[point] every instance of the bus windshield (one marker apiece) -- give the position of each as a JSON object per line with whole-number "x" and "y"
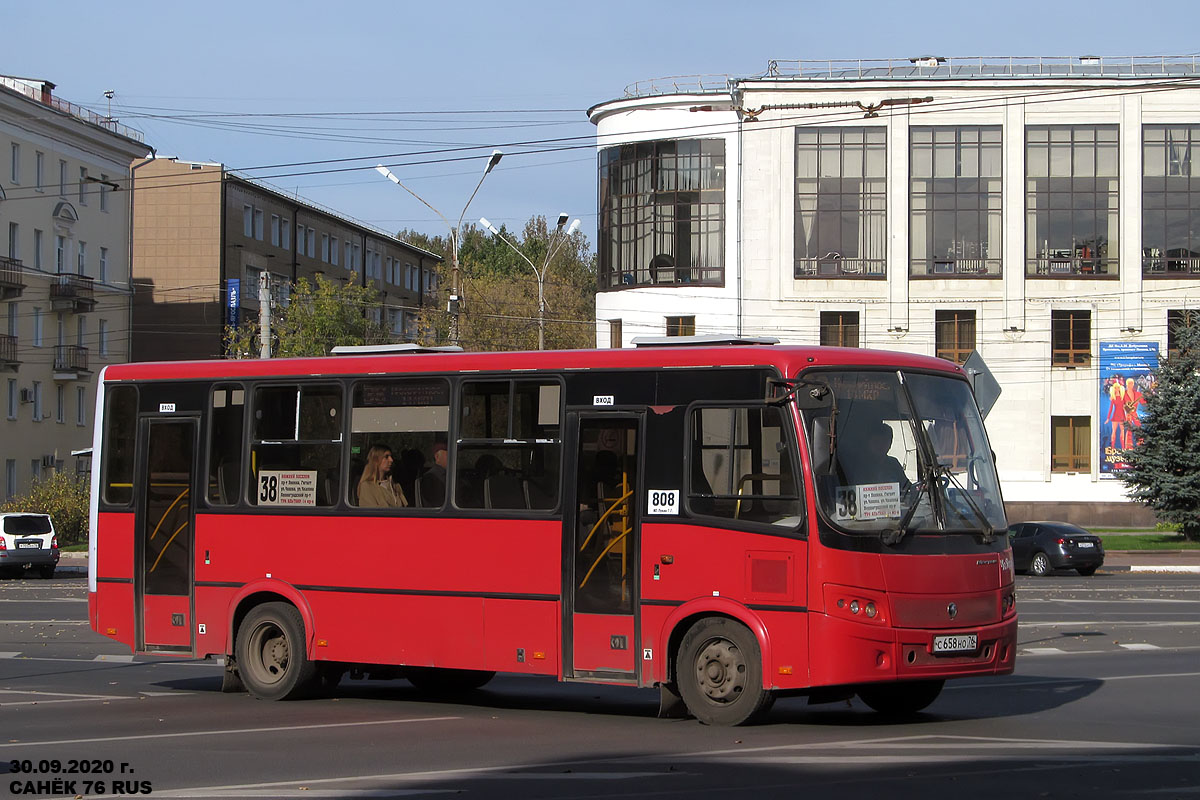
{"x": 902, "y": 452}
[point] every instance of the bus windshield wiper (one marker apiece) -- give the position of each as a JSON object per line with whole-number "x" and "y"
{"x": 892, "y": 536}
{"x": 989, "y": 531}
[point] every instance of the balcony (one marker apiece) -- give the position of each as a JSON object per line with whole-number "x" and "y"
{"x": 8, "y": 354}
{"x": 1177, "y": 267}
{"x": 1079, "y": 262}
{"x": 71, "y": 363}
{"x": 74, "y": 293}
{"x": 834, "y": 265}
{"x": 12, "y": 278}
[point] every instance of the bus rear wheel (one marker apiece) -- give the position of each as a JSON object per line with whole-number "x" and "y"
{"x": 439, "y": 679}
{"x": 901, "y": 699}
{"x": 271, "y": 656}
{"x": 719, "y": 673}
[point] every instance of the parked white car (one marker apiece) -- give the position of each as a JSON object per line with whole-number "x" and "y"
{"x": 28, "y": 541}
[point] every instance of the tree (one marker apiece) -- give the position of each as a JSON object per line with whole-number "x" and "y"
{"x": 1164, "y": 471}
{"x": 315, "y": 320}
{"x": 65, "y": 498}
{"x": 500, "y": 306}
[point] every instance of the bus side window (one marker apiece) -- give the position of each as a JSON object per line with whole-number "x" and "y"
{"x": 226, "y": 427}
{"x": 743, "y": 466}
{"x": 296, "y": 452}
{"x": 120, "y": 434}
{"x": 509, "y": 448}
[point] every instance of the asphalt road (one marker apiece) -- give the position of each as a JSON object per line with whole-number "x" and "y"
{"x": 1104, "y": 703}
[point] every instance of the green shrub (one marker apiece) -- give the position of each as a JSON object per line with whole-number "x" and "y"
{"x": 1172, "y": 527}
{"x": 65, "y": 498}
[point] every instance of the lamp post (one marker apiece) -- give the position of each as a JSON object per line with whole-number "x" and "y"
{"x": 452, "y": 307}
{"x": 551, "y": 249}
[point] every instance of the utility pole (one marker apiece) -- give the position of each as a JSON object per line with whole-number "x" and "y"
{"x": 264, "y": 314}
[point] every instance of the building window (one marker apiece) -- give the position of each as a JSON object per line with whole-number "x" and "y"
{"x": 1071, "y": 200}
{"x": 37, "y": 327}
{"x": 62, "y": 178}
{"x": 83, "y": 181}
{"x": 954, "y": 335}
{"x": 841, "y": 202}
{"x": 16, "y": 163}
{"x": 285, "y": 233}
{"x": 12, "y": 398}
{"x": 60, "y": 415}
{"x": 681, "y": 326}
{"x": 615, "y": 336}
{"x": 14, "y": 240}
{"x": 37, "y": 401}
{"x": 37, "y": 249}
{"x": 39, "y": 171}
{"x": 1070, "y": 444}
{"x": 60, "y": 254}
{"x": 1170, "y": 201}
{"x": 956, "y": 219}
{"x": 80, "y": 330}
{"x": 662, "y": 214}
{"x": 325, "y": 247}
{"x": 103, "y": 264}
{"x": 248, "y": 221}
{"x": 1071, "y": 338}
{"x": 82, "y": 253}
{"x": 10, "y": 478}
{"x": 12, "y": 319}
{"x": 839, "y": 328}
{"x": 258, "y": 224}
{"x": 80, "y": 405}
{"x": 104, "y": 190}
{"x": 275, "y": 230}
{"x": 103, "y": 343}
{"x": 333, "y": 250}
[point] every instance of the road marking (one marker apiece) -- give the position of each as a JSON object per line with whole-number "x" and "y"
{"x": 48, "y": 698}
{"x": 49, "y": 600}
{"x": 9, "y": 655}
{"x": 117, "y": 659}
{"x": 227, "y": 732}
{"x": 42, "y": 622}
{"x": 1108, "y": 623}
{"x": 1043, "y": 651}
{"x": 1141, "y": 646}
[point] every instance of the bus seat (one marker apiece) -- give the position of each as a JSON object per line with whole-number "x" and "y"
{"x": 503, "y": 490}
{"x": 227, "y": 482}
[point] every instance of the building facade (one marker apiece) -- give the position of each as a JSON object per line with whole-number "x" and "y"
{"x": 64, "y": 274}
{"x": 1044, "y": 212}
{"x": 203, "y": 236}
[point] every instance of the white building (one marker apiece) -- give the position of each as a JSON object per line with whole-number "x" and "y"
{"x": 1032, "y": 209}
{"x": 64, "y": 277}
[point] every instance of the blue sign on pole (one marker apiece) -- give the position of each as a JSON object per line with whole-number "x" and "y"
{"x": 234, "y": 295}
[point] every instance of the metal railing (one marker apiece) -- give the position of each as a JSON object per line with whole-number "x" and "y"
{"x": 70, "y": 358}
{"x": 79, "y": 112}
{"x": 12, "y": 272}
{"x": 8, "y": 349}
{"x": 73, "y": 287}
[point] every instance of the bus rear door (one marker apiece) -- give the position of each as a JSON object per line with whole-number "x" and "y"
{"x": 165, "y": 533}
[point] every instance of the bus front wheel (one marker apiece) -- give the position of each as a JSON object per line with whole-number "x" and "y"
{"x": 901, "y": 699}
{"x": 719, "y": 673}
{"x": 271, "y": 656}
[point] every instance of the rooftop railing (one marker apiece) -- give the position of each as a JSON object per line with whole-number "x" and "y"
{"x": 79, "y": 112}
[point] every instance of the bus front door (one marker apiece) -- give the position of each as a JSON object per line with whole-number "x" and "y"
{"x": 165, "y": 535}
{"x": 602, "y": 535}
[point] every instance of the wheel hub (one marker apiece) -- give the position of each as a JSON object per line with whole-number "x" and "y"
{"x": 721, "y": 671}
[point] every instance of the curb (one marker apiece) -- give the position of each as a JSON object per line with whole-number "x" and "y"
{"x": 1160, "y": 568}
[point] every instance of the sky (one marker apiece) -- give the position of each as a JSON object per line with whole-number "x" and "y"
{"x": 310, "y": 96}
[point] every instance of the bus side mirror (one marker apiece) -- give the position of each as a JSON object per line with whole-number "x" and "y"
{"x": 819, "y": 446}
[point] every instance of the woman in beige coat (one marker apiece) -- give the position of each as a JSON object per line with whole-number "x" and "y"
{"x": 375, "y": 487}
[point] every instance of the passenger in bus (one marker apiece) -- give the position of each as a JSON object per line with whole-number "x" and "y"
{"x": 375, "y": 487}
{"x": 871, "y": 461}
{"x": 432, "y": 485}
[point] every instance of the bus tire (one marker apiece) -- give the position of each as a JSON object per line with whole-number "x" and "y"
{"x": 902, "y": 699}
{"x": 271, "y": 656}
{"x": 443, "y": 680}
{"x": 719, "y": 673}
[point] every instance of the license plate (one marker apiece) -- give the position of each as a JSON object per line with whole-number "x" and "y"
{"x": 29, "y": 545}
{"x": 1084, "y": 544}
{"x": 962, "y": 643}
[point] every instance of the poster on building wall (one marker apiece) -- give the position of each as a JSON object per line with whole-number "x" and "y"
{"x": 1126, "y": 376}
{"x": 234, "y": 301}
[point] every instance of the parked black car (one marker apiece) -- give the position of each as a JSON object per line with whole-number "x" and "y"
{"x": 1040, "y": 547}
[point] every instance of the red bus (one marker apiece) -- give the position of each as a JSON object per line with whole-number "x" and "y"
{"x": 728, "y": 523}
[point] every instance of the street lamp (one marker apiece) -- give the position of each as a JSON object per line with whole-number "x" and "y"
{"x": 553, "y": 248}
{"x": 452, "y": 307}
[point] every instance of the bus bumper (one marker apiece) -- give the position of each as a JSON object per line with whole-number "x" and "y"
{"x": 848, "y": 652}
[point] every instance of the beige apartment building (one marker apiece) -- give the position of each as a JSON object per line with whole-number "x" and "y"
{"x": 203, "y": 236}
{"x": 64, "y": 276}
